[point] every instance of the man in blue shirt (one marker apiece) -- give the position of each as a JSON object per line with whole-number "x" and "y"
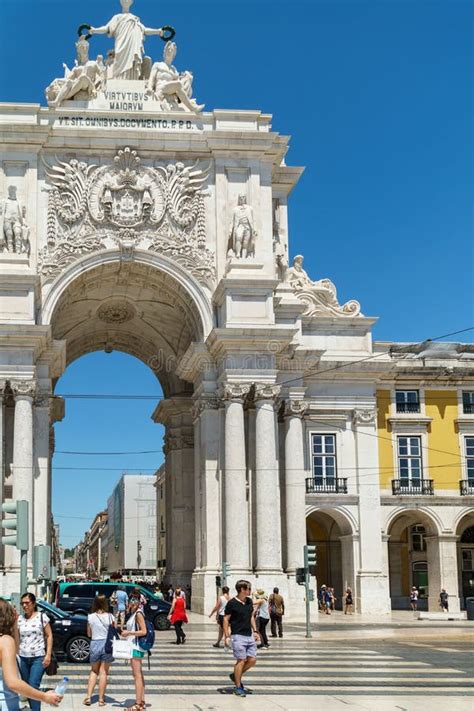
{"x": 121, "y": 598}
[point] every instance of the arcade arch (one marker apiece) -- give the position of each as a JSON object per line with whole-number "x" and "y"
{"x": 465, "y": 550}
{"x": 332, "y": 532}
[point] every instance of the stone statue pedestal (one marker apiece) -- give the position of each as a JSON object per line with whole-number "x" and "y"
{"x": 14, "y": 260}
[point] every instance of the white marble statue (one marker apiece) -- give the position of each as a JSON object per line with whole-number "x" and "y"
{"x": 170, "y": 87}
{"x": 14, "y": 230}
{"x": 242, "y": 230}
{"x": 84, "y": 80}
{"x": 319, "y": 296}
{"x": 128, "y": 33}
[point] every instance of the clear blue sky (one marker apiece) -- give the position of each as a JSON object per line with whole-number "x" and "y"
{"x": 378, "y": 99}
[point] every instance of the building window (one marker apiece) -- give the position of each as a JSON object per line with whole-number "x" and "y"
{"x": 420, "y": 577}
{"x": 468, "y": 402}
{"x": 151, "y": 531}
{"x": 467, "y": 560}
{"x": 407, "y": 400}
{"x": 469, "y": 444}
{"x": 324, "y": 459}
{"x": 152, "y": 509}
{"x": 409, "y": 461}
{"x": 418, "y": 542}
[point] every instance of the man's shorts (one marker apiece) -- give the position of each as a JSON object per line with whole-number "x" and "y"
{"x": 98, "y": 653}
{"x": 243, "y": 646}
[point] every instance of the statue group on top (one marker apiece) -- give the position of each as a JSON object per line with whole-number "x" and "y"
{"x": 126, "y": 62}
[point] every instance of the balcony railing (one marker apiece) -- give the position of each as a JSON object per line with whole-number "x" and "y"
{"x": 466, "y": 487}
{"x": 410, "y": 407}
{"x": 468, "y": 408}
{"x": 415, "y": 487}
{"x": 331, "y": 486}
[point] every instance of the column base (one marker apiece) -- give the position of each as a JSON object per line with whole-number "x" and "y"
{"x": 372, "y": 593}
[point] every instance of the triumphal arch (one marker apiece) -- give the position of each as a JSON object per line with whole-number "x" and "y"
{"x": 134, "y": 219}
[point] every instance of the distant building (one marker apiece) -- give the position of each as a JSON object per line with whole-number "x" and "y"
{"x": 95, "y": 558}
{"x": 132, "y": 526}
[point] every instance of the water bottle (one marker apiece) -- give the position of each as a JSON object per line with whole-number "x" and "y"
{"x": 62, "y": 686}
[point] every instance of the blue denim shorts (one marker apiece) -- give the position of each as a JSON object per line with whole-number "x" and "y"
{"x": 98, "y": 653}
{"x": 243, "y": 646}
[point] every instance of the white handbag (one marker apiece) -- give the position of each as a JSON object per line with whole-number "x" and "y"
{"x": 122, "y": 648}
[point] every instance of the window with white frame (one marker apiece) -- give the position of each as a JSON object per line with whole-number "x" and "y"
{"x": 468, "y": 402}
{"x": 324, "y": 458}
{"x": 418, "y": 542}
{"x": 151, "y": 531}
{"x": 469, "y": 446}
{"x": 407, "y": 400}
{"x": 409, "y": 461}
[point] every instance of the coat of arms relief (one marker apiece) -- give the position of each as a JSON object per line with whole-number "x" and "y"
{"x": 126, "y": 205}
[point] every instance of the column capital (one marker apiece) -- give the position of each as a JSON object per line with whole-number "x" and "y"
{"x": 235, "y": 391}
{"x": 3, "y": 384}
{"x": 266, "y": 391}
{"x": 23, "y": 388}
{"x": 295, "y": 408}
{"x": 364, "y": 416}
{"x": 177, "y": 441}
{"x": 208, "y": 403}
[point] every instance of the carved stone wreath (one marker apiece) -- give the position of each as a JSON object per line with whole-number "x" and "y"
{"x": 116, "y": 312}
{"x": 92, "y": 208}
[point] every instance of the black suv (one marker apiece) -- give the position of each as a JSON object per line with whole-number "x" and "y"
{"x": 70, "y": 638}
{"x": 78, "y": 598}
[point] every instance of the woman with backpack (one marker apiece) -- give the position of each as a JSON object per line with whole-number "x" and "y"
{"x": 98, "y": 624}
{"x": 135, "y": 627}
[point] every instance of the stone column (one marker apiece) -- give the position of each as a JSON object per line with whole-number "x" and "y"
{"x": 442, "y": 558}
{"x": 372, "y": 581}
{"x": 237, "y": 537}
{"x": 41, "y": 486}
{"x": 2, "y": 459}
{"x": 24, "y": 392}
{"x": 268, "y": 496}
{"x": 295, "y": 485}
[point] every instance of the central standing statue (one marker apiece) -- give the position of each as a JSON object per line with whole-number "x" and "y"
{"x": 128, "y": 33}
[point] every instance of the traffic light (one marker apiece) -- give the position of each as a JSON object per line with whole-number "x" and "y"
{"x": 300, "y": 574}
{"x": 309, "y": 557}
{"x": 18, "y": 527}
{"x": 42, "y": 562}
{"x": 218, "y": 581}
{"x": 225, "y": 572}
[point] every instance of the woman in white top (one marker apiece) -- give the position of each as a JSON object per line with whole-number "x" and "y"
{"x": 98, "y": 623}
{"x": 35, "y": 644}
{"x": 135, "y": 628}
{"x": 10, "y": 683}
{"x": 219, "y": 608}
{"x": 262, "y": 614}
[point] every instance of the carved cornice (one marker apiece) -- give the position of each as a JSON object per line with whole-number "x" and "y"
{"x": 266, "y": 391}
{"x": 174, "y": 442}
{"x": 204, "y": 404}
{"x": 364, "y": 417}
{"x": 235, "y": 391}
{"x": 295, "y": 408}
{"x": 23, "y": 388}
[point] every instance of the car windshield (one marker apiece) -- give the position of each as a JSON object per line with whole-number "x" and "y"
{"x": 47, "y": 607}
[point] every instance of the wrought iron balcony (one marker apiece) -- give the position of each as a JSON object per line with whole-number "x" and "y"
{"x": 331, "y": 486}
{"x": 414, "y": 487}
{"x": 410, "y": 407}
{"x": 466, "y": 487}
{"x": 468, "y": 408}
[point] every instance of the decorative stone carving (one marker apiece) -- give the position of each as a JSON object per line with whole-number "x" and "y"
{"x": 320, "y": 296}
{"x": 173, "y": 442}
{"x": 242, "y": 231}
{"x": 266, "y": 391}
{"x": 235, "y": 391}
{"x": 43, "y": 400}
{"x": 128, "y": 205}
{"x": 295, "y": 408}
{"x": 129, "y": 35}
{"x": 204, "y": 404}
{"x": 83, "y": 81}
{"x": 172, "y": 89}
{"x": 23, "y": 388}
{"x": 116, "y": 312}
{"x": 14, "y": 230}
{"x": 364, "y": 417}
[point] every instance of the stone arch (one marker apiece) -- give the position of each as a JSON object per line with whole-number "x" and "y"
{"x": 463, "y": 520}
{"x": 147, "y": 306}
{"x": 333, "y": 531}
{"x": 464, "y": 529}
{"x": 429, "y": 518}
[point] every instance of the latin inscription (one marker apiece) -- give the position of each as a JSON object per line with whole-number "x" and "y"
{"x": 115, "y": 122}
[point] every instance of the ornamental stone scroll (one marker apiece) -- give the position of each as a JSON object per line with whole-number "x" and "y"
{"x": 236, "y": 391}
{"x": 364, "y": 417}
{"x": 266, "y": 391}
{"x": 295, "y": 408}
{"x": 23, "y": 388}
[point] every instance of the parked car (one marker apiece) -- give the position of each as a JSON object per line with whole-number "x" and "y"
{"x": 77, "y": 598}
{"x": 70, "y": 640}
